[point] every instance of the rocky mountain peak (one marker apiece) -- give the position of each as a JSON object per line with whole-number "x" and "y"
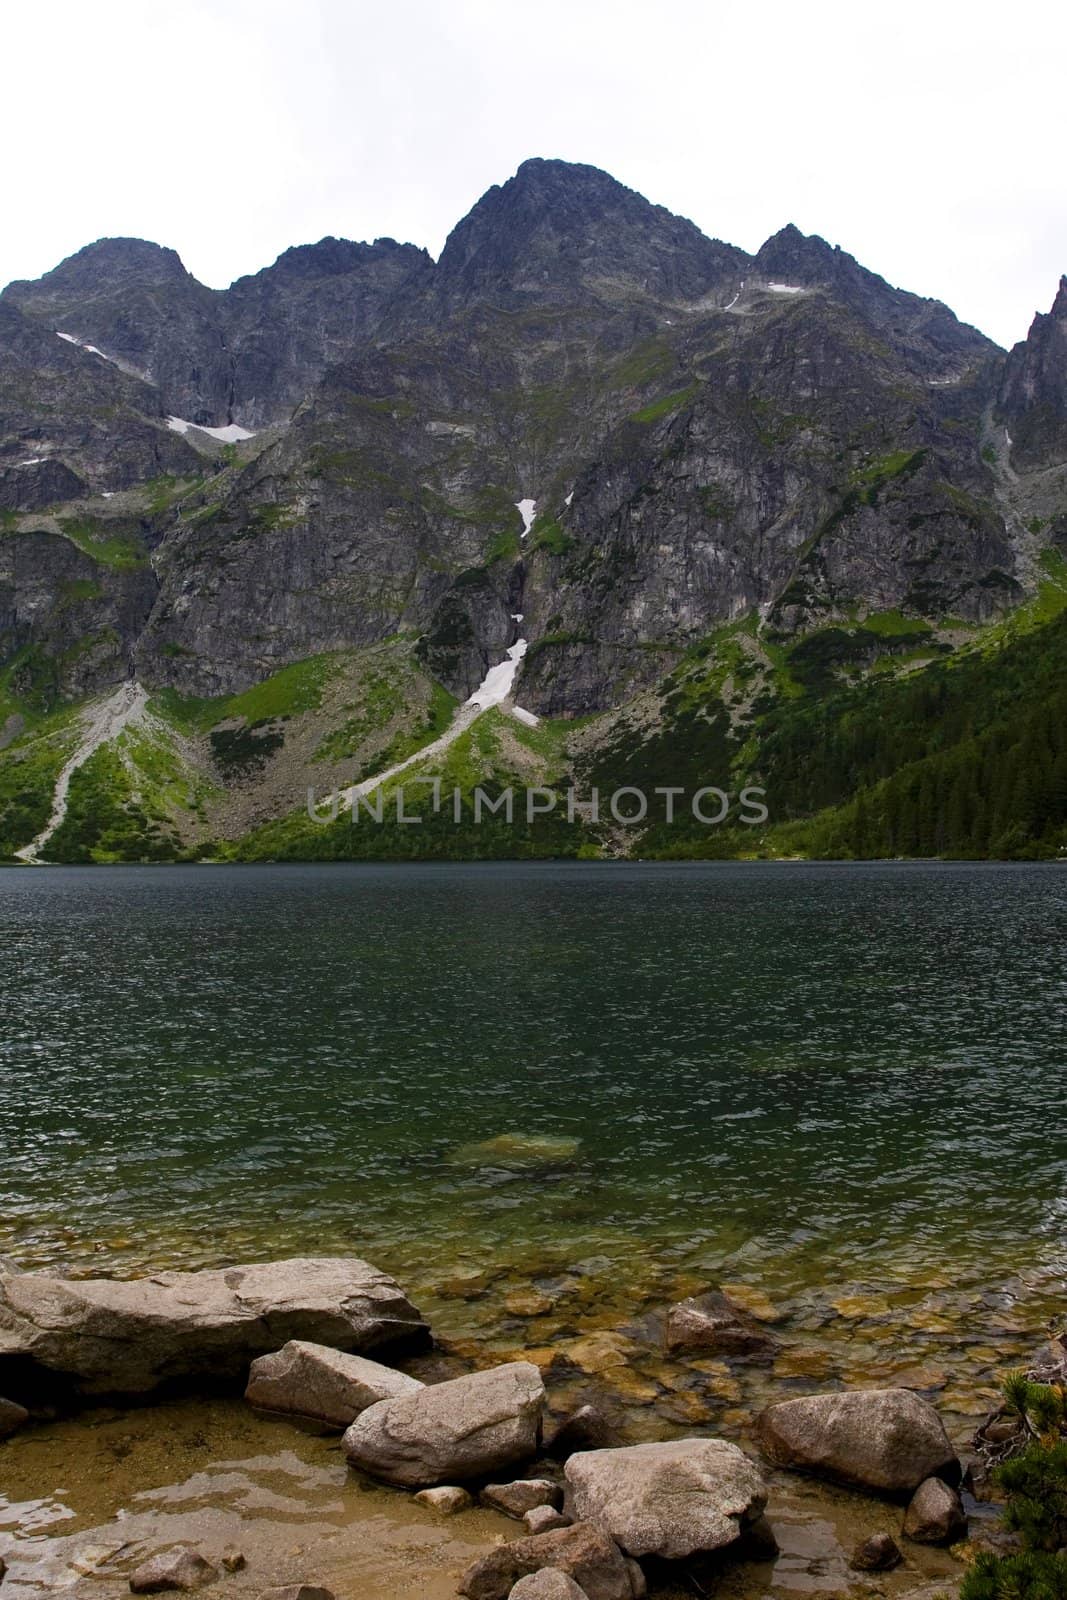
{"x": 108, "y": 264}
{"x": 335, "y": 258}
{"x": 559, "y": 226}
{"x": 799, "y": 257}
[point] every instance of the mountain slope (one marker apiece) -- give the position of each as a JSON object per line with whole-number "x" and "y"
{"x": 587, "y": 426}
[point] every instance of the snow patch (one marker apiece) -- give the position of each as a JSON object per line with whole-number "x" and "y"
{"x": 231, "y": 434}
{"x": 569, "y": 498}
{"x": 736, "y": 297}
{"x": 497, "y": 683}
{"x": 525, "y": 716}
{"x": 517, "y": 616}
{"x": 31, "y": 461}
{"x": 785, "y": 288}
{"x": 526, "y": 510}
{"x": 91, "y": 348}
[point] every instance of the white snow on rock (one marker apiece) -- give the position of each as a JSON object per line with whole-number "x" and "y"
{"x": 528, "y": 717}
{"x": 516, "y": 616}
{"x": 736, "y": 297}
{"x": 526, "y": 510}
{"x": 785, "y": 288}
{"x": 102, "y": 723}
{"x": 231, "y": 434}
{"x": 496, "y": 685}
{"x": 115, "y": 361}
{"x": 32, "y": 461}
{"x": 494, "y": 688}
{"x": 569, "y": 498}
{"x": 91, "y": 348}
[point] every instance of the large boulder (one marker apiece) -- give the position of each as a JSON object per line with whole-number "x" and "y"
{"x": 583, "y": 1553}
{"x": 328, "y": 1386}
{"x": 712, "y": 1325}
{"x": 104, "y": 1336}
{"x": 935, "y": 1514}
{"x": 671, "y": 1500}
{"x": 883, "y": 1439}
{"x": 465, "y": 1428}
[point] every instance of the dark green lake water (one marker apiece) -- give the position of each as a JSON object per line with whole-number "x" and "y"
{"x": 792, "y": 1074}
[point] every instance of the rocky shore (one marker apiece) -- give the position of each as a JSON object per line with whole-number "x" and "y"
{"x": 333, "y": 1346}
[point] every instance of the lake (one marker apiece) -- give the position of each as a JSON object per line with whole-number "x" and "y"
{"x": 839, "y": 1085}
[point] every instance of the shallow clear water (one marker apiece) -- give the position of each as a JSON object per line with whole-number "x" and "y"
{"x": 818, "y": 1069}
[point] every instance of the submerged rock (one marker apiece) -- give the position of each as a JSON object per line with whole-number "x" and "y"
{"x": 759, "y": 1542}
{"x": 935, "y": 1514}
{"x": 672, "y": 1500}
{"x": 12, "y": 1416}
{"x": 883, "y": 1439}
{"x": 447, "y": 1501}
{"x": 105, "y": 1336}
{"x": 182, "y": 1568}
{"x": 713, "y": 1324}
{"x": 585, "y": 1429}
{"x": 517, "y": 1150}
{"x": 298, "y": 1591}
{"x": 584, "y": 1553}
{"x": 321, "y": 1384}
{"x": 879, "y": 1553}
{"x": 465, "y": 1428}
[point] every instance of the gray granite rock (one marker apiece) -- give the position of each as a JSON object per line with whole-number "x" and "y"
{"x": 466, "y": 1428}
{"x": 322, "y": 1384}
{"x": 673, "y": 1499}
{"x": 110, "y": 1336}
{"x": 882, "y": 1439}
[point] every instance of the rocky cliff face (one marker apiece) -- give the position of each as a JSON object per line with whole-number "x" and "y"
{"x": 72, "y": 423}
{"x": 1033, "y": 390}
{"x": 246, "y": 355}
{"x": 706, "y": 434}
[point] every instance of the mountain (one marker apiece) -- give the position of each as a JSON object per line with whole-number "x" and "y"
{"x": 309, "y": 513}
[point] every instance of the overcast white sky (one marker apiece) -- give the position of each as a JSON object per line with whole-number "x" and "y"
{"x": 926, "y": 138}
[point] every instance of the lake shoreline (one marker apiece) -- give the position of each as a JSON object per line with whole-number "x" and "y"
{"x": 817, "y": 1524}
